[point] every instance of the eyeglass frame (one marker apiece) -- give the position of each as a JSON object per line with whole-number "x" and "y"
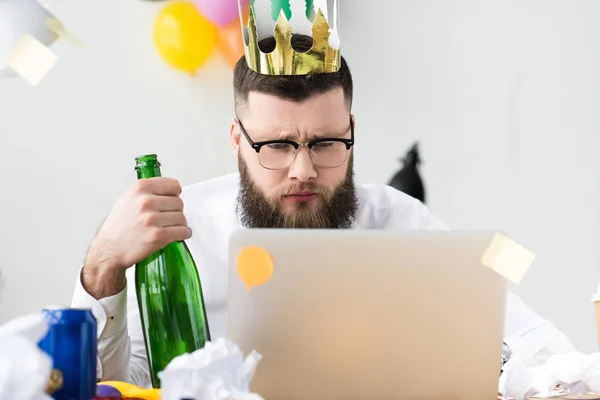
{"x": 309, "y": 145}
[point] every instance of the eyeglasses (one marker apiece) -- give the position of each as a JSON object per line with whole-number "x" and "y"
{"x": 279, "y": 154}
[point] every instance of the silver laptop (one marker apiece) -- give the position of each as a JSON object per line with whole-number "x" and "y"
{"x": 365, "y": 314}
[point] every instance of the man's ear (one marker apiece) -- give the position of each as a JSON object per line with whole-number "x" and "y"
{"x": 234, "y": 135}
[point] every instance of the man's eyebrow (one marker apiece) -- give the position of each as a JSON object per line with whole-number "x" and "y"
{"x": 330, "y": 135}
{"x": 288, "y": 136}
{"x": 284, "y": 136}
{"x": 294, "y": 138}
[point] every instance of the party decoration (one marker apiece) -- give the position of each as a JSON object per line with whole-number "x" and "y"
{"x": 220, "y": 12}
{"x": 324, "y": 56}
{"x": 508, "y": 258}
{"x": 278, "y": 5}
{"x": 231, "y": 44}
{"x": 31, "y": 59}
{"x": 27, "y": 29}
{"x": 183, "y": 37}
{"x": 59, "y": 29}
{"x": 21, "y": 17}
{"x": 22, "y": 30}
{"x": 408, "y": 179}
{"x": 124, "y": 390}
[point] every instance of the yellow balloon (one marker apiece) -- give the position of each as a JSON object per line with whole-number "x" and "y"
{"x": 183, "y": 37}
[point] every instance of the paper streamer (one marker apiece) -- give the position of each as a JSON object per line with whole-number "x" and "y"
{"x": 58, "y": 28}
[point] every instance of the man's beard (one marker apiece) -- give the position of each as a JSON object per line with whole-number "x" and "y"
{"x": 337, "y": 209}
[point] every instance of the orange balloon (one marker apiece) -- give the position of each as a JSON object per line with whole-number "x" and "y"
{"x": 230, "y": 43}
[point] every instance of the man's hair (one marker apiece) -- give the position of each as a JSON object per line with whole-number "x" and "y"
{"x": 296, "y": 88}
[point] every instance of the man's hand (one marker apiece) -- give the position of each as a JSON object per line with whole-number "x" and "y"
{"x": 146, "y": 218}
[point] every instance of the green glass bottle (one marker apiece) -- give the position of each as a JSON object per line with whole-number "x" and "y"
{"x": 169, "y": 296}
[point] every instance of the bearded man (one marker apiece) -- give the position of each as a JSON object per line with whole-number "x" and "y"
{"x": 293, "y": 136}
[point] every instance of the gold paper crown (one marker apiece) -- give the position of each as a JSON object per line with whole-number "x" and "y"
{"x": 284, "y": 59}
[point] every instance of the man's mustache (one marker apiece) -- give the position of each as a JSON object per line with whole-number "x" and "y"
{"x": 305, "y": 187}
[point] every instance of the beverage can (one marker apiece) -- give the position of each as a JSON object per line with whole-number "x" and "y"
{"x": 71, "y": 342}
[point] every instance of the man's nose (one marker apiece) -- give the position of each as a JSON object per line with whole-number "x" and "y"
{"x": 302, "y": 167}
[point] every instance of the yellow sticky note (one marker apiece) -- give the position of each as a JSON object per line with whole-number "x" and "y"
{"x": 255, "y": 266}
{"x": 31, "y": 59}
{"x": 507, "y": 258}
{"x": 59, "y": 29}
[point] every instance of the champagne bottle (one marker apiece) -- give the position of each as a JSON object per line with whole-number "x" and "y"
{"x": 169, "y": 296}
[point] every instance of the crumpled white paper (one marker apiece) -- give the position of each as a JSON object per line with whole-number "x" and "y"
{"x": 576, "y": 372}
{"x": 24, "y": 367}
{"x": 216, "y": 372}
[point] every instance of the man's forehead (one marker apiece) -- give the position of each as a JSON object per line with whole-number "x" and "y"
{"x": 260, "y": 102}
{"x": 305, "y": 130}
{"x": 322, "y": 112}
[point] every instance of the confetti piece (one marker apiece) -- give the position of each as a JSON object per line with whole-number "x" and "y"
{"x": 31, "y": 59}
{"x": 59, "y": 29}
{"x": 508, "y": 258}
{"x": 255, "y": 266}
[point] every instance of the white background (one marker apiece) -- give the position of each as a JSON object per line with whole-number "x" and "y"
{"x": 503, "y": 96}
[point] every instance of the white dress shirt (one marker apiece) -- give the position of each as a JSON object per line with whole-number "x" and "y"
{"x": 211, "y": 213}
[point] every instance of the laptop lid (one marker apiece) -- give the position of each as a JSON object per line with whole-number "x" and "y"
{"x": 363, "y": 314}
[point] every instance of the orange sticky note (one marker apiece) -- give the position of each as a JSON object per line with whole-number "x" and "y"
{"x": 255, "y": 266}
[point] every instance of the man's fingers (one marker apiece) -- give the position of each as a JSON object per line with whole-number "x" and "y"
{"x": 167, "y": 203}
{"x": 163, "y": 219}
{"x": 160, "y": 186}
{"x": 158, "y": 238}
{"x": 177, "y": 233}
{"x": 171, "y": 218}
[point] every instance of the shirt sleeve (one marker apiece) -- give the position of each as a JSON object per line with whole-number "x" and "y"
{"x": 527, "y": 334}
{"x": 121, "y": 349}
{"x": 532, "y": 337}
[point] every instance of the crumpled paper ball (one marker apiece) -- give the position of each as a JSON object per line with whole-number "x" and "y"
{"x": 216, "y": 372}
{"x": 576, "y": 372}
{"x": 24, "y": 367}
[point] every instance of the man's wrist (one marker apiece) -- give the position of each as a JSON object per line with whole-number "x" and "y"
{"x": 102, "y": 281}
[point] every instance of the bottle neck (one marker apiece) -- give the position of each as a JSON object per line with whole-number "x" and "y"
{"x": 150, "y": 171}
{"x": 147, "y": 166}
